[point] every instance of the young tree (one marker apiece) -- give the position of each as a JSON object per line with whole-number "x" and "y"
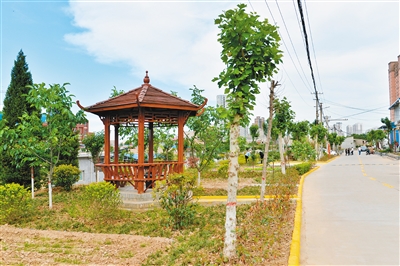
{"x": 254, "y": 133}
{"x": 267, "y": 127}
{"x": 331, "y": 137}
{"x": 300, "y": 130}
{"x": 318, "y": 132}
{"x": 15, "y": 105}
{"x": 283, "y": 119}
{"x": 37, "y": 143}
{"x": 208, "y": 134}
{"x": 375, "y": 136}
{"x": 94, "y": 143}
{"x": 389, "y": 128}
{"x": 250, "y": 51}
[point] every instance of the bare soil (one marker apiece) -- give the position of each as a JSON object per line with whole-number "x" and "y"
{"x": 22, "y": 246}
{"x": 47, "y": 247}
{"x": 223, "y": 183}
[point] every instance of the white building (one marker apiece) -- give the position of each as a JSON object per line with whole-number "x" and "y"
{"x": 221, "y": 100}
{"x": 86, "y": 167}
{"x": 357, "y": 128}
{"x": 349, "y": 130}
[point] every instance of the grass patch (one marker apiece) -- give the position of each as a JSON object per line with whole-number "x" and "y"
{"x": 263, "y": 228}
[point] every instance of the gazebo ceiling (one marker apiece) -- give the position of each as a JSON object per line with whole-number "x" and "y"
{"x": 157, "y": 105}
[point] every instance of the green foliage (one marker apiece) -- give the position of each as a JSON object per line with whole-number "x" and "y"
{"x": 241, "y": 159}
{"x": 208, "y": 133}
{"x": 65, "y": 176}
{"x": 300, "y": 130}
{"x": 250, "y": 52}
{"x": 15, "y": 202}
{"x": 94, "y": 144}
{"x": 15, "y": 105}
{"x": 15, "y": 102}
{"x": 320, "y": 131}
{"x": 303, "y": 168}
{"x": 45, "y": 144}
{"x": 175, "y": 196}
{"x": 254, "y": 133}
{"x": 302, "y": 151}
{"x": 223, "y": 166}
{"x": 283, "y": 115}
{"x": 374, "y": 136}
{"x": 98, "y": 201}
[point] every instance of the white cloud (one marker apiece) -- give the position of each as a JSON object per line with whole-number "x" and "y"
{"x": 177, "y": 43}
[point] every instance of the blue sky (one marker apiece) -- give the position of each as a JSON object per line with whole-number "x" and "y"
{"x": 96, "y": 45}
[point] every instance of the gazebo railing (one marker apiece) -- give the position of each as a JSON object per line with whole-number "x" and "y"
{"x": 140, "y": 176}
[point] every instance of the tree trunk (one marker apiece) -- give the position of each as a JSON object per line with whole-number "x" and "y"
{"x": 281, "y": 147}
{"x": 266, "y": 148}
{"x": 230, "y": 220}
{"x": 50, "y": 176}
{"x": 96, "y": 174}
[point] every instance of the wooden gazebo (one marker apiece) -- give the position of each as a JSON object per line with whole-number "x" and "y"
{"x": 142, "y": 107}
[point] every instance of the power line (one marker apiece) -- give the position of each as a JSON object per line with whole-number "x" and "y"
{"x": 284, "y": 43}
{"x": 307, "y": 47}
{"x": 312, "y": 42}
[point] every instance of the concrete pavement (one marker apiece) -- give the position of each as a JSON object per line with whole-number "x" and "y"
{"x": 350, "y": 213}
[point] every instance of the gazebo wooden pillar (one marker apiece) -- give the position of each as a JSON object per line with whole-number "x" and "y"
{"x": 143, "y": 107}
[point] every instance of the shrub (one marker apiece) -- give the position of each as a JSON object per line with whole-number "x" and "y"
{"x": 223, "y": 168}
{"x": 65, "y": 176}
{"x": 175, "y": 194}
{"x": 98, "y": 200}
{"x": 15, "y": 202}
{"x": 302, "y": 151}
{"x": 303, "y": 167}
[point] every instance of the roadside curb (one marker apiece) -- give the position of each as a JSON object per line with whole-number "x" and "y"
{"x": 294, "y": 256}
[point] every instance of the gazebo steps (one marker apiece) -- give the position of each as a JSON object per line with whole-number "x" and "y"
{"x": 131, "y": 200}
{"x": 130, "y": 193}
{"x": 139, "y": 205}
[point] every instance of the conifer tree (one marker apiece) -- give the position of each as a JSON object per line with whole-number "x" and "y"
{"x": 15, "y": 105}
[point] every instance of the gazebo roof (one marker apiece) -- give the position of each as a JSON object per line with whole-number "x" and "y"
{"x": 145, "y": 96}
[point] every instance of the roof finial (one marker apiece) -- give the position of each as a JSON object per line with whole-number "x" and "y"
{"x": 146, "y": 79}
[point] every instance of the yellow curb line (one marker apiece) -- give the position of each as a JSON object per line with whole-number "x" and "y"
{"x": 238, "y": 197}
{"x": 294, "y": 256}
{"x": 330, "y": 160}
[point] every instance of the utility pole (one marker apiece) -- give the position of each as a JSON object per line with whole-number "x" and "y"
{"x": 317, "y": 104}
{"x": 320, "y": 113}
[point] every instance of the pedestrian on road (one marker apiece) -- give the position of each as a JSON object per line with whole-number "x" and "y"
{"x": 352, "y": 150}
{"x": 359, "y": 150}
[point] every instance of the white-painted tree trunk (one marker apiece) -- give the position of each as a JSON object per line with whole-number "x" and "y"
{"x": 32, "y": 184}
{"x": 50, "y": 195}
{"x": 281, "y": 147}
{"x": 230, "y": 219}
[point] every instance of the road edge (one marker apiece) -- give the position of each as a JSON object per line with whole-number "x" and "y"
{"x": 294, "y": 255}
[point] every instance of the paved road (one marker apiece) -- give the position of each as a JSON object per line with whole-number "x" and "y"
{"x": 351, "y": 212}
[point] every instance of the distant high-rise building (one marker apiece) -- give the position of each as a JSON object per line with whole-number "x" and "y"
{"x": 357, "y": 128}
{"x": 259, "y": 121}
{"x": 244, "y": 132}
{"x": 221, "y": 100}
{"x": 349, "y": 130}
